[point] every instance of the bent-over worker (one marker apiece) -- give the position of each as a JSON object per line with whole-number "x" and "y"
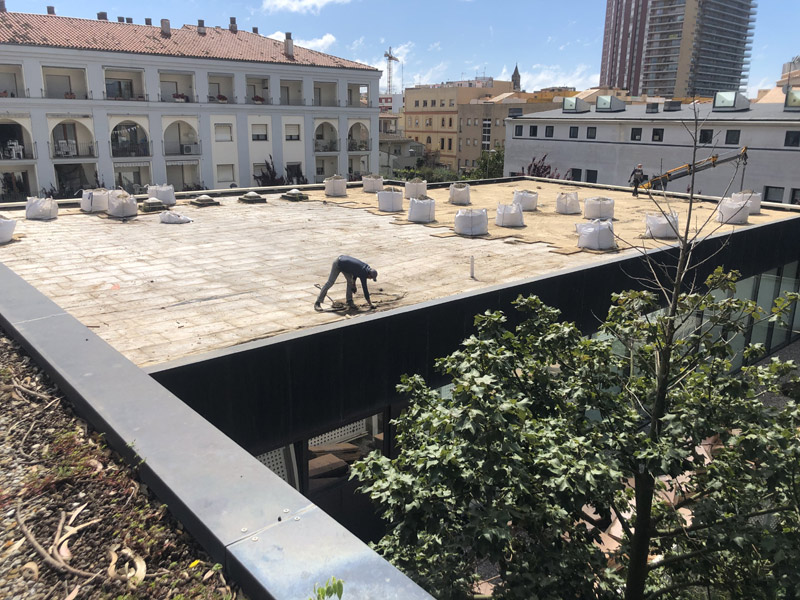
{"x": 352, "y": 269}
{"x": 637, "y": 176}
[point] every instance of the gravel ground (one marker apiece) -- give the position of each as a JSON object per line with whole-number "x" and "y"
{"x": 76, "y": 523}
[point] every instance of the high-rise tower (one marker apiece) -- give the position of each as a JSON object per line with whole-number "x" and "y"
{"x": 623, "y": 44}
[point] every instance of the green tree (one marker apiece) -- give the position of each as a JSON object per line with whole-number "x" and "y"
{"x": 550, "y": 437}
{"x": 490, "y": 164}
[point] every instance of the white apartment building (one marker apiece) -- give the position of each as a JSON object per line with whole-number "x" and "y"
{"x": 604, "y": 142}
{"x": 92, "y": 102}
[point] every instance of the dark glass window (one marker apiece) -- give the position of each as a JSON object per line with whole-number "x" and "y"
{"x": 591, "y": 176}
{"x": 533, "y": 131}
{"x": 706, "y": 136}
{"x": 548, "y": 131}
{"x": 517, "y": 130}
{"x": 658, "y": 135}
{"x": 732, "y": 136}
{"x": 773, "y": 194}
{"x": 575, "y": 174}
{"x": 573, "y": 132}
{"x": 636, "y": 134}
{"x": 591, "y": 133}
{"x": 792, "y": 139}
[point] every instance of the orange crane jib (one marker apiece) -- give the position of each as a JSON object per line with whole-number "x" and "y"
{"x": 701, "y": 165}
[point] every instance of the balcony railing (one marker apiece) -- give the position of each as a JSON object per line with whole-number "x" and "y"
{"x": 67, "y": 95}
{"x": 293, "y": 102}
{"x": 182, "y": 148}
{"x": 264, "y": 100}
{"x": 224, "y": 100}
{"x": 359, "y": 104}
{"x": 124, "y": 149}
{"x": 73, "y": 148}
{"x": 326, "y": 102}
{"x": 128, "y": 97}
{"x": 357, "y": 145}
{"x": 326, "y": 145}
{"x": 177, "y": 98}
{"x": 15, "y": 93}
{"x": 16, "y": 151}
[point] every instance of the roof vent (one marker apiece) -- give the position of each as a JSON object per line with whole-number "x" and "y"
{"x": 129, "y": 20}
{"x": 288, "y": 45}
{"x": 609, "y": 104}
{"x": 148, "y": 21}
{"x": 165, "y": 30}
{"x": 3, "y": 6}
{"x": 51, "y": 10}
{"x": 730, "y": 102}
{"x": 792, "y": 102}
{"x": 255, "y": 30}
{"x": 652, "y": 107}
{"x": 233, "y": 26}
{"x": 102, "y": 16}
{"x": 201, "y": 26}
{"x": 120, "y": 19}
{"x": 672, "y": 106}
{"x": 574, "y": 105}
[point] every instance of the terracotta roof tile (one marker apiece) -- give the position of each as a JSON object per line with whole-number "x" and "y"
{"x": 111, "y": 36}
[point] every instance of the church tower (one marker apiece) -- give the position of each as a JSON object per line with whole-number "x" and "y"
{"x": 515, "y": 79}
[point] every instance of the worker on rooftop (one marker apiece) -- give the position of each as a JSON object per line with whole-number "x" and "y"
{"x": 637, "y": 176}
{"x": 352, "y": 269}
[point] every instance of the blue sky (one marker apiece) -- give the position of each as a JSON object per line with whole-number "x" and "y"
{"x": 554, "y": 43}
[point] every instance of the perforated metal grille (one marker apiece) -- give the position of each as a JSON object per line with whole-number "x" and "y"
{"x": 275, "y": 461}
{"x": 342, "y": 434}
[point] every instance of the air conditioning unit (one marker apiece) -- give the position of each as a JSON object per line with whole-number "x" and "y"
{"x": 189, "y": 149}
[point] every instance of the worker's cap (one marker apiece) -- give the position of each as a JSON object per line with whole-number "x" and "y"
{"x": 639, "y": 165}
{"x": 373, "y": 274}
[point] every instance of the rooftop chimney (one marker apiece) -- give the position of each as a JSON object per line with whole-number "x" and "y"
{"x": 120, "y": 19}
{"x": 255, "y": 29}
{"x": 148, "y": 21}
{"x": 102, "y": 16}
{"x": 201, "y": 26}
{"x": 3, "y": 6}
{"x": 233, "y": 26}
{"x": 51, "y": 10}
{"x": 165, "y": 30}
{"x": 129, "y": 19}
{"x": 288, "y": 45}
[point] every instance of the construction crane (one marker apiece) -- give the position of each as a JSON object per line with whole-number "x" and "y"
{"x": 389, "y": 58}
{"x": 659, "y": 182}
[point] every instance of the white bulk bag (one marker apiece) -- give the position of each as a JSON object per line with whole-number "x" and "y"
{"x": 598, "y": 208}
{"x": 526, "y": 199}
{"x": 472, "y": 221}
{"x": 660, "y": 226}
{"x": 597, "y": 235}
{"x": 372, "y": 184}
{"x": 172, "y": 218}
{"x": 390, "y": 200}
{"x": 41, "y": 209}
{"x": 164, "y": 192}
{"x": 421, "y": 210}
{"x": 509, "y": 215}
{"x": 416, "y": 189}
{"x": 121, "y": 204}
{"x": 94, "y": 200}
{"x": 567, "y": 203}
{"x": 459, "y": 194}
{"x": 336, "y": 186}
{"x": 6, "y": 230}
{"x": 734, "y": 212}
{"x": 754, "y": 198}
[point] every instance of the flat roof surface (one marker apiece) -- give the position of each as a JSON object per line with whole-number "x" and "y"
{"x": 241, "y": 272}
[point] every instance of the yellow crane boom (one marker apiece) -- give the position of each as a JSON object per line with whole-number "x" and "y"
{"x": 660, "y": 181}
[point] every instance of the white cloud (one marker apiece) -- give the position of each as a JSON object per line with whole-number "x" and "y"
{"x": 356, "y": 44}
{"x": 541, "y": 76}
{"x": 321, "y": 44}
{"x": 435, "y": 74}
{"x": 763, "y": 83}
{"x": 298, "y": 6}
{"x": 435, "y": 46}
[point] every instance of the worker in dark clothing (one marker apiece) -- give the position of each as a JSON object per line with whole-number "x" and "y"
{"x": 637, "y": 176}
{"x": 352, "y": 269}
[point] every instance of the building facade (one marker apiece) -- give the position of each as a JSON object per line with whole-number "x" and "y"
{"x": 603, "y": 147}
{"x": 677, "y": 48}
{"x": 90, "y": 103}
{"x": 623, "y": 44}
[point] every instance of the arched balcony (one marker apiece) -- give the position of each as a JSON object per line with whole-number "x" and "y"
{"x": 129, "y": 139}
{"x": 358, "y": 138}
{"x": 326, "y": 138}
{"x": 181, "y": 139}
{"x": 16, "y": 142}
{"x": 70, "y": 139}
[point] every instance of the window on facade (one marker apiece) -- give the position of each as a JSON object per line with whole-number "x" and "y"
{"x": 794, "y": 197}
{"x": 428, "y": 140}
{"x": 773, "y": 194}
{"x": 474, "y": 162}
{"x": 259, "y": 132}
{"x": 548, "y": 131}
{"x": 452, "y": 102}
{"x": 517, "y": 130}
{"x": 449, "y": 143}
{"x": 450, "y": 122}
{"x": 486, "y": 134}
{"x": 573, "y": 132}
{"x": 416, "y": 103}
{"x": 575, "y": 174}
{"x": 469, "y": 122}
{"x": 591, "y": 133}
{"x": 636, "y": 134}
{"x": 533, "y": 131}
{"x": 792, "y": 139}
{"x": 706, "y": 136}
{"x": 424, "y": 103}
{"x": 292, "y": 133}
{"x": 428, "y": 122}
{"x": 497, "y": 122}
{"x": 474, "y": 142}
{"x": 409, "y": 121}
{"x": 441, "y": 143}
{"x": 658, "y": 135}
{"x": 441, "y": 102}
{"x": 468, "y": 141}
{"x": 732, "y": 136}
{"x": 416, "y": 122}
{"x": 224, "y": 173}
{"x": 591, "y": 176}
{"x": 223, "y": 132}
{"x": 442, "y": 121}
